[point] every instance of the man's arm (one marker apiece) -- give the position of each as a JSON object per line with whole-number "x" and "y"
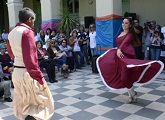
{"x": 9, "y": 50}
{"x": 30, "y": 58}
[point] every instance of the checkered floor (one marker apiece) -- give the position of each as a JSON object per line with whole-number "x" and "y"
{"x": 83, "y": 96}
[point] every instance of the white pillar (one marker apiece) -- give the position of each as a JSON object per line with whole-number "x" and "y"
{"x": 50, "y": 10}
{"x": 14, "y": 6}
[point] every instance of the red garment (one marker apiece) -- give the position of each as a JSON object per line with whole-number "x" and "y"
{"x": 118, "y": 73}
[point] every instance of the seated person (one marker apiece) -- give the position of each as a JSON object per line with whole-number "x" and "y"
{"x": 46, "y": 63}
{"x": 6, "y": 62}
{"x": 4, "y": 87}
{"x": 64, "y": 47}
{"x": 58, "y": 57}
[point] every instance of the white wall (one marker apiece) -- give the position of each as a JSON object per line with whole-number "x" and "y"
{"x": 107, "y": 7}
{"x": 149, "y": 10}
{"x": 86, "y": 9}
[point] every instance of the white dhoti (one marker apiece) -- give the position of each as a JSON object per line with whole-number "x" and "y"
{"x": 29, "y": 99}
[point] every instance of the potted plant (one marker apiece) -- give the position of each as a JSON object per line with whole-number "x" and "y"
{"x": 68, "y": 20}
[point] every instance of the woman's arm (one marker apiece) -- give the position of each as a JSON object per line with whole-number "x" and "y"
{"x": 126, "y": 46}
{"x": 152, "y": 37}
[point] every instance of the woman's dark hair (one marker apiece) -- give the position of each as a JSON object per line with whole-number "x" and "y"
{"x": 54, "y": 30}
{"x": 136, "y": 41}
{"x": 64, "y": 40}
{"x": 49, "y": 30}
{"x": 158, "y": 27}
{"x": 25, "y": 14}
{"x": 39, "y": 41}
{"x": 74, "y": 31}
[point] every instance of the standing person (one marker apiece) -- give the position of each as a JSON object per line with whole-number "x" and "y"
{"x": 92, "y": 36}
{"x": 77, "y": 28}
{"x": 156, "y": 41}
{"x": 1, "y": 40}
{"x": 82, "y": 35}
{"x": 118, "y": 67}
{"x": 75, "y": 44}
{"x": 48, "y": 34}
{"x": 4, "y": 35}
{"x": 32, "y": 97}
{"x": 139, "y": 31}
{"x": 42, "y": 37}
{"x": 60, "y": 37}
{"x": 53, "y": 36}
{"x": 162, "y": 53}
{"x": 147, "y": 31}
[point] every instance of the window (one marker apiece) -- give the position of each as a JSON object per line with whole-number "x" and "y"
{"x": 73, "y": 6}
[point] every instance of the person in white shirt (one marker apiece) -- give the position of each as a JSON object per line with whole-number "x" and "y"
{"x": 4, "y": 35}
{"x": 92, "y": 36}
{"x": 47, "y": 40}
{"x": 162, "y": 53}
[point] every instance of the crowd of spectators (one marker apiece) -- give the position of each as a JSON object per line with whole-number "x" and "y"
{"x": 69, "y": 53}
{"x": 151, "y": 36}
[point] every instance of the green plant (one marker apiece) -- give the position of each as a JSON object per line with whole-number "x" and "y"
{"x": 68, "y": 20}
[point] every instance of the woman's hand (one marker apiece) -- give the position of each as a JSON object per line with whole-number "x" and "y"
{"x": 119, "y": 53}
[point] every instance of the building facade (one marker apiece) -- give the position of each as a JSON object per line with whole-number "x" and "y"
{"x": 47, "y": 11}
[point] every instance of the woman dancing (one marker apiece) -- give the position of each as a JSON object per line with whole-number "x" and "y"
{"x": 118, "y": 67}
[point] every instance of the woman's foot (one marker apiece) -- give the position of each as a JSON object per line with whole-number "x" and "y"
{"x": 132, "y": 99}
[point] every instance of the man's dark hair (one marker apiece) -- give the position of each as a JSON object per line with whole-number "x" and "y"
{"x": 137, "y": 20}
{"x": 25, "y": 14}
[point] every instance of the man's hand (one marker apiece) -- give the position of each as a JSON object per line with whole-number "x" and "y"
{"x": 44, "y": 86}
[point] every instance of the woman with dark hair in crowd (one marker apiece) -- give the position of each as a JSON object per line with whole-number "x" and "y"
{"x": 47, "y": 35}
{"x": 75, "y": 44}
{"x": 45, "y": 62}
{"x": 156, "y": 41}
{"x": 118, "y": 67}
{"x": 82, "y": 35}
{"x": 42, "y": 37}
{"x": 6, "y": 62}
{"x": 58, "y": 57}
{"x": 53, "y": 36}
{"x": 60, "y": 36}
{"x": 64, "y": 47}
